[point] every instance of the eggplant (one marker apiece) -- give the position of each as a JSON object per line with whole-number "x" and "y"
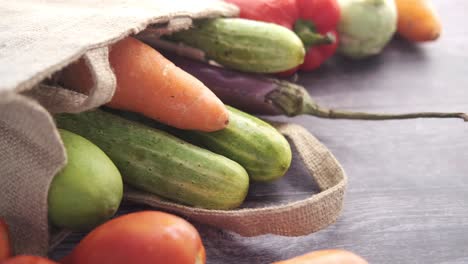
{"x": 264, "y": 95}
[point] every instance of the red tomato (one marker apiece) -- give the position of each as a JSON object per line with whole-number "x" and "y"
{"x": 331, "y": 256}
{"x": 140, "y": 238}
{"x": 28, "y": 260}
{"x": 5, "y": 246}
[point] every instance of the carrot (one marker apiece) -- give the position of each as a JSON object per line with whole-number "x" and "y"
{"x": 149, "y": 84}
{"x": 330, "y": 256}
{"x": 418, "y": 20}
{"x": 5, "y": 246}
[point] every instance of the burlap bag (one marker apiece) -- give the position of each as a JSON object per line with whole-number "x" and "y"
{"x": 38, "y": 38}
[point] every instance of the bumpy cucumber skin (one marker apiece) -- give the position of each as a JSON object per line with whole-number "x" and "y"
{"x": 154, "y": 161}
{"x": 253, "y": 143}
{"x": 245, "y": 45}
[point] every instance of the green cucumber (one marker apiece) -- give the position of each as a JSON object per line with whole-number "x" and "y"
{"x": 156, "y": 162}
{"x": 88, "y": 190}
{"x": 245, "y": 45}
{"x": 256, "y": 145}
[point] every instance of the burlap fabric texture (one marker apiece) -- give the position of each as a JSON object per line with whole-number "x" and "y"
{"x": 38, "y": 38}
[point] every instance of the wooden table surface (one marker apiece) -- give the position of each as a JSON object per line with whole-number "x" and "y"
{"x": 407, "y": 199}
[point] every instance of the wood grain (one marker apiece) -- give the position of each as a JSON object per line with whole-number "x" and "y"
{"x": 407, "y": 200}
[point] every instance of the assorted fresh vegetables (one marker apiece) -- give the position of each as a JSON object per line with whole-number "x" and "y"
{"x": 159, "y": 163}
{"x": 314, "y": 22}
{"x": 418, "y": 20}
{"x": 149, "y": 84}
{"x": 5, "y": 245}
{"x": 245, "y": 45}
{"x": 205, "y": 153}
{"x": 158, "y": 238}
{"x": 245, "y": 91}
{"x": 253, "y": 143}
{"x": 263, "y": 95}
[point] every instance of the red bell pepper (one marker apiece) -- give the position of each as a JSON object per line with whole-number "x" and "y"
{"x": 314, "y": 21}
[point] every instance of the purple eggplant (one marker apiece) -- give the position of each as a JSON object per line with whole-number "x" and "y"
{"x": 263, "y": 95}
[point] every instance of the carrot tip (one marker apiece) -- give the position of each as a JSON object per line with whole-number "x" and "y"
{"x": 435, "y": 35}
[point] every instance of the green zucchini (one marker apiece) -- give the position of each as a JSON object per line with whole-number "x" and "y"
{"x": 156, "y": 162}
{"x": 245, "y": 45}
{"x": 256, "y": 145}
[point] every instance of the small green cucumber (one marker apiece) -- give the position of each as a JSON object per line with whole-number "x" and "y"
{"x": 156, "y": 162}
{"x": 245, "y": 45}
{"x": 256, "y": 145}
{"x": 88, "y": 190}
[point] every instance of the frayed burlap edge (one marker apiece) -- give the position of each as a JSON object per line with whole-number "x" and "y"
{"x": 59, "y": 100}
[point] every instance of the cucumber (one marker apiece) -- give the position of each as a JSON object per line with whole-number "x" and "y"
{"x": 88, "y": 190}
{"x": 245, "y": 45}
{"x": 253, "y": 143}
{"x": 156, "y": 162}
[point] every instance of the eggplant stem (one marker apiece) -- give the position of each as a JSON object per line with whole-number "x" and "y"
{"x": 338, "y": 114}
{"x": 293, "y": 100}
